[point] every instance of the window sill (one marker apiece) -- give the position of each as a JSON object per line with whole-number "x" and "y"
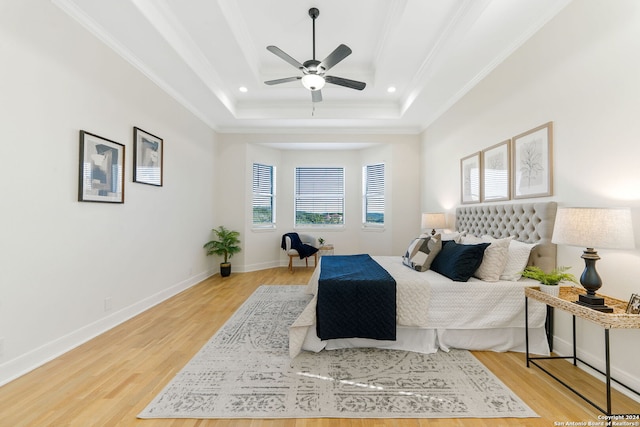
{"x": 263, "y": 228}
{"x": 375, "y": 229}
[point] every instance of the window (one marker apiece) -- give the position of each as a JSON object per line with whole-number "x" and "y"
{"x": 373, "y": 195}
{"x": 319, "y": 196}
{"x": 264, "y": 208}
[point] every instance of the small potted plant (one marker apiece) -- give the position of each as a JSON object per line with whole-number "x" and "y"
{"x": 321, "y": 241}
{"x": 226, "y": 244}
{"x": 549, "y": 281}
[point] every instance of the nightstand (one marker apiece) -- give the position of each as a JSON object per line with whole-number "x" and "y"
{"x": 326, "y": 249}
{"x": 565, "y": 301}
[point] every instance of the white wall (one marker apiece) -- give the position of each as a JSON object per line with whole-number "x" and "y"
{"x": 261, "y": 248}
{"x": 581, "y": 72}
{"x": 60, "y": 258}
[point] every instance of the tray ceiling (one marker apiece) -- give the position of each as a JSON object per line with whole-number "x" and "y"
{"x": 202, "y": 52}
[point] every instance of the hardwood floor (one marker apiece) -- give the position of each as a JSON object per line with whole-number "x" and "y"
{"x": 109, "y": 380}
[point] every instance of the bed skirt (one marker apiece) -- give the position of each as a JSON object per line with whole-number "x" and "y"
{"x": 423, "y": 340}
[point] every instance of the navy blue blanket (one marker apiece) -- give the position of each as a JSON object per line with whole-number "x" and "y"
{"x": 303, "y": 249}
{"x": 356, "y": 298}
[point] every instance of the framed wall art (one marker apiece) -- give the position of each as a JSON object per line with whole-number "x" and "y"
{"x": 148, "y": 152}
{"x": 496, "y": 168}
{"x": 470, "y": 178}
{"x": 634, "y": 304}
{"x": 101, "y": 172}
{"x": 532, "y": 163}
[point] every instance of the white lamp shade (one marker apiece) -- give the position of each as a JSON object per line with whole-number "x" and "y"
{"x": 604, "y": 228}
{"x": 433, "y": 220}
{"x": 313, "y": 81}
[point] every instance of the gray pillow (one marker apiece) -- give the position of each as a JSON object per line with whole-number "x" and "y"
{"x": 422, "y": 251}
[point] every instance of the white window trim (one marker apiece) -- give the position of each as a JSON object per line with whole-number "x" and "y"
{"x": 266, "y": 225}
{"x": 311, "y": 227}
{"x": 373, "y": 226}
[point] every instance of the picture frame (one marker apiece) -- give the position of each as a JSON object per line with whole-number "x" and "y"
{"x": 148, "y": 154}
{"x": 470, "y": 179}
{"x": 532, "y": 162}
{"x": 634, "y": 304}
{"x": 496, "y": 172}
{"x": 101, "y": 169}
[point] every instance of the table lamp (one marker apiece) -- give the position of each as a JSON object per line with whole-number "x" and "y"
{"x": 590, "y": 228}
{"x": 433, "y": 221}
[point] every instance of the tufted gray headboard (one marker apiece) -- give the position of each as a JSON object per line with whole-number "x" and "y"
{"x": 527, "y": 222}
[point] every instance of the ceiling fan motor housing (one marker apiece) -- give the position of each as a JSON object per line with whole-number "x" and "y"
{"x": 313, "y": 67}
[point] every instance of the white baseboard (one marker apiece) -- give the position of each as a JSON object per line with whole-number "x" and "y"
{"x": 259, "y": 266}
{"x": 565, "y": 348}
{"x": 27, "y": 362}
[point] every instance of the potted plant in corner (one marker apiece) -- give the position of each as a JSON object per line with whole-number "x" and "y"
{"x": 226, "y": 244}
{"x": 549, "y": 281}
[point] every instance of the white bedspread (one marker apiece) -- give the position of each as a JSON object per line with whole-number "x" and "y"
{"x": 430, "y": 300}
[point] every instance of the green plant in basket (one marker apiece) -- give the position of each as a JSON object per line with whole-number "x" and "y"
{"x": 556, "y": 276}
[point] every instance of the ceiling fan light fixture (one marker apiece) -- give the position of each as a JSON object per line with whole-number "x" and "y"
{"x": 313, "y": 81}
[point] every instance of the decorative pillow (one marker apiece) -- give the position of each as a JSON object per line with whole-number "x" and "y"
{"x": 517, "y": 260}
{"x": 422, "y": 251}
{"x": 455, "y": 236}
{"x": 458, "y": 262}
{"x": 495, "y": 259}
{"x": 469, "y": 240}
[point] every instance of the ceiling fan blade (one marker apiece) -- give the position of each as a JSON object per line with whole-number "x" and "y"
{"x": 279, "y": 52}
{"x": 316, "y": 96}
{"x": 285, "y": 80}
{"x": 336, "y": 56}
{"x": 352, "y": 84}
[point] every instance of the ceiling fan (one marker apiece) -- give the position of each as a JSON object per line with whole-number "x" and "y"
{"x": 313, "y": 71}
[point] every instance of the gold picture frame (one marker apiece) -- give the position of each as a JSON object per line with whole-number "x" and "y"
{"x": 471, "y": 179}
{"x": 496, "y": 172}
{"x": 532, "y": 163}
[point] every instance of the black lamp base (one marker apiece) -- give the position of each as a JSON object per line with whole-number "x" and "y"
{"x": 591, "y": 281}
{"x": 594, "y": 303}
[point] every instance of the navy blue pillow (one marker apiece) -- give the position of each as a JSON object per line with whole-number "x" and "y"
{"x": 458, "y": 262}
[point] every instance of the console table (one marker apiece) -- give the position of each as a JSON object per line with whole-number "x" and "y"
{"x": 565, "y": 302}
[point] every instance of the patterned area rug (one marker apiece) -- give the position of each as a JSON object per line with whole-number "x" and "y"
{"x": 244, "y": 371}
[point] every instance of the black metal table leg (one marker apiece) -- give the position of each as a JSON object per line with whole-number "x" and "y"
{"x": 526, "y": 327}
{"x": 607, "y": 369}
{"x": 575, "y": 357}
{"x": 549, "y": 327}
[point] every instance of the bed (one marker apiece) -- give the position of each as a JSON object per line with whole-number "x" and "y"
{"x": 435, "y": 312}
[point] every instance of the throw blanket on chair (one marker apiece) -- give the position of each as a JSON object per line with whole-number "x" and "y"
{"x": 303, "y": 249}
{"x": 356, "y": 298}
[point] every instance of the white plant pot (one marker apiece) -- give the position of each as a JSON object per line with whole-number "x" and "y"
{"x": 550, "y": 290}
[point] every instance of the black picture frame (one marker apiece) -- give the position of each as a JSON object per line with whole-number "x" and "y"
{"x": 634, "y": 304}
{"x": 101, "y": 169}
{"x": 148, "y": 156}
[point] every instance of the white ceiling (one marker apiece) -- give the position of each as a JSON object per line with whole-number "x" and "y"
{"x": 202, "y": 51}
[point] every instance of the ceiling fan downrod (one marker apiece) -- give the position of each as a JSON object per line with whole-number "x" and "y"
{"x": 314, "y": 13}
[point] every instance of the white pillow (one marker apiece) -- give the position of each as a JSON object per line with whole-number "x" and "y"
{"x": 455, "y": 236}
{"x": 495, "y": 257}
{"x": 469, "y": 240}
{"x": 517, "y": 259}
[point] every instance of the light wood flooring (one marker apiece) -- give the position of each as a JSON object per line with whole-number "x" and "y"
{"x": 109, "y": 380}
